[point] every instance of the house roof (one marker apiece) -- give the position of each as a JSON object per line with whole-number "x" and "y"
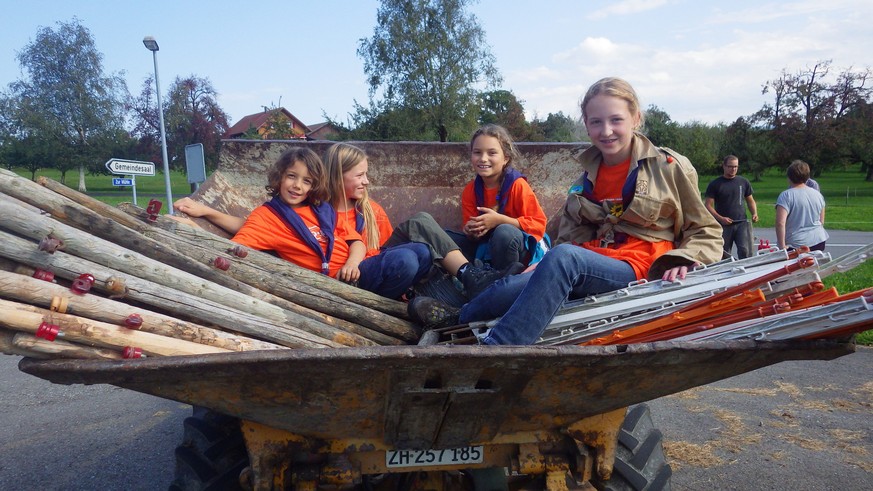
{"x": 258, "y": 119}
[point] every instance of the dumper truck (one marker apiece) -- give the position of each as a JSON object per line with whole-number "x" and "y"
{"x": 449, "y": 415}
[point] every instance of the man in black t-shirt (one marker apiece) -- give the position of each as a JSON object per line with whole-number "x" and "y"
{"x": 726, "y": 198}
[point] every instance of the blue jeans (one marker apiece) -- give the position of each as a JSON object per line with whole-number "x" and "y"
{"x": 395, "y": 269}
{"x": 739, "y": 233}
{"x": 505, "y": 245}
{"x": 528, "y": 302}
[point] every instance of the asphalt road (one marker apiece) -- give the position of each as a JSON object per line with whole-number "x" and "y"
{"x": 802, "y": 425}
{"x": 840, "y": 241}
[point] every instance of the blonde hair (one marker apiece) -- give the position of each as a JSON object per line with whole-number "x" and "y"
{"x": 614, "y": 87}
{"x": 339, "y": 159}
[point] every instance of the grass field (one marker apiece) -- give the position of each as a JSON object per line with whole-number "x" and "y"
{"x": 849, "y": 207}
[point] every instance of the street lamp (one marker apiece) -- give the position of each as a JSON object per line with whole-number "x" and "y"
{"x": 152, "y": 46}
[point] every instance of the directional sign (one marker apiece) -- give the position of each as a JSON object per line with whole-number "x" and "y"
{"x": 122, "y": 181}
{"x": 130, "y": 167}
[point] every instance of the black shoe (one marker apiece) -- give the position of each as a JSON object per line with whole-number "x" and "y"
{"x": 430, "y": 313}
{"x": 476, "y": 280}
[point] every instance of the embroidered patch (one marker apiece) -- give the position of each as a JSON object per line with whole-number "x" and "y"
{"x": 642, "y": 187}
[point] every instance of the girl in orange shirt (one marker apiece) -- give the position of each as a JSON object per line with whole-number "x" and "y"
{"x": 503, "y": 220}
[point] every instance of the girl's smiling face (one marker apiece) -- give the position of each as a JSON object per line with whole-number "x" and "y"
{"x": 296, "y": 184}
{"x": 488, "y": 158}
{"x": 355, "y": 181}
{"x": 611, "y": 125}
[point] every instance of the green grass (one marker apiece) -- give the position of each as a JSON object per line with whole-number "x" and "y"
{"x": 849, "y": 198}
{"x": 855, "y": 279}
{"x": 100, "y": 186}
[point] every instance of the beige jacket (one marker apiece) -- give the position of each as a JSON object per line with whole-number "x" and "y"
{"x": 666, "y": 206}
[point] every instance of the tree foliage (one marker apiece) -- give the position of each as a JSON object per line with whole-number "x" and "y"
{"x": 808, "y": 108}
{"x": 557, "y": 127}
{"x": 193, "y": 115}
{"x": 65, "y": 104}
{"x": 428, "y": 58}
{"x": 660, "y": 128}
{"x": 501, "y": 107}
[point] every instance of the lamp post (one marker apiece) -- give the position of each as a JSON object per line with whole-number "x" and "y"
{"x": 152, "y": 46}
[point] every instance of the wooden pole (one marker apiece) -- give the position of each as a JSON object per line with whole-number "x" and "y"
{"x": 44, "y": 294}
{"x": 285, "y": 280}
{"x": 89, "y": 247}
{"x": 7, "y": 345}
{"x": 85, "y": 219}
{"x": 311, "y": 278}
{"x": 26, "y": 318}
{"x": 166, "y": 299}
{"x": 63, "y": 349}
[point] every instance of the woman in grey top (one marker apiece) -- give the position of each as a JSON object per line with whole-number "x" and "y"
{"x": 800, "y": 212}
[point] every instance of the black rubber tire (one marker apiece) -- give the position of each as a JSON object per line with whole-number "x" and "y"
{"x": 212, "y": 453}
{"x": 640, "y": 463}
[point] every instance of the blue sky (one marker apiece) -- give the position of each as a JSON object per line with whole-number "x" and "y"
{"x": 697, "y": 60}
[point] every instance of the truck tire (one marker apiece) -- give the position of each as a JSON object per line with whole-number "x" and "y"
{"x": 212, "y": 453}
{"x": 640, "y": 463}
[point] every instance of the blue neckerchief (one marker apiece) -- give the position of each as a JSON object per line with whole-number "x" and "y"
{"x": 502, "y": 195}
{"x": 628, "y": 190}
{"x": 359, "y": 221}
{"x": 326, "y": 216}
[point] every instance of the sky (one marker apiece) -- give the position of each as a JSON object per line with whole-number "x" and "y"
{"x": 697, "y": 60}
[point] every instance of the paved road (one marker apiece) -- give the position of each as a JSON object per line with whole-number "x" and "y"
{"x": 796, "y": 425}
{"x": 839, "y": 243}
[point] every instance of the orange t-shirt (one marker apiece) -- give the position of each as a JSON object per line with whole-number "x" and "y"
{"x": 265, "y": 231}
{"x": 639, "y": 253}
{"x": 521, "y": 205}
{"x": 346, "y": 220}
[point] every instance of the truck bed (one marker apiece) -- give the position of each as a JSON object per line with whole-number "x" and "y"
{"x": 433, "y": 397}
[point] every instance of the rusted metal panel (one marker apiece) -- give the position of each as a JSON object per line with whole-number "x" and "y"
{"x": 405, "y": 177}
{"x": 354, "y": 392}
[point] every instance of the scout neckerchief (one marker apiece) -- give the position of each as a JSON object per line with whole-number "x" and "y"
{"x": 628, "y": 190}
{"x": 502, "y": 195}
{"x": 326, "y": 216}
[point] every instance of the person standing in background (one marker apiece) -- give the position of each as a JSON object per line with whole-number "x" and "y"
{"x": 800, "y": 212}
{"x": 726, "y": 198}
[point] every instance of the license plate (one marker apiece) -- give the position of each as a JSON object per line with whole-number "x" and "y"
{"x": 449, "y": 456}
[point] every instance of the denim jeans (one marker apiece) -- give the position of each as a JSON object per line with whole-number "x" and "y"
{"x": 505, "y": 245}
{"x": 739, "y": 233}
{"x": 528, "y": 302}
{"x": 395, "y": 269}
{"x": 422, "y": 228}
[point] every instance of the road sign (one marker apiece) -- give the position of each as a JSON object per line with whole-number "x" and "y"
{"x": 122, "y": 181}
{"x": 130, "y": 167}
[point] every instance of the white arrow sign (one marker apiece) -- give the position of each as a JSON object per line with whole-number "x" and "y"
{"x": 130, "y": 167}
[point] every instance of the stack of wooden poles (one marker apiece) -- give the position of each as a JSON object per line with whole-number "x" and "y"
{"x": 81, "y": 279}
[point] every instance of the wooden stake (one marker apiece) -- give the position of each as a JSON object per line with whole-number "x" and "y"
{"x": 63, "y": 349}
{"x": 118, "y": 258}
{"x": 26, "y": 318}
{"x": 42, "y": 293}
{"x": 166, "y": 299}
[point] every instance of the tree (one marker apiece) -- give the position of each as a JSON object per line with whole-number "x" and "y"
{"x": 701, "y": 144}
{"x": 857, "y": 127}
{"x": 192, "y": 116}
{"x": 659, "y": 128}
{"x": 503, "y": 108}
{"x": 557, "y": 127}
{"x": 65, "y": 102}
{"x": 806, "y": 113}
{"x": 428, "y": 56}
